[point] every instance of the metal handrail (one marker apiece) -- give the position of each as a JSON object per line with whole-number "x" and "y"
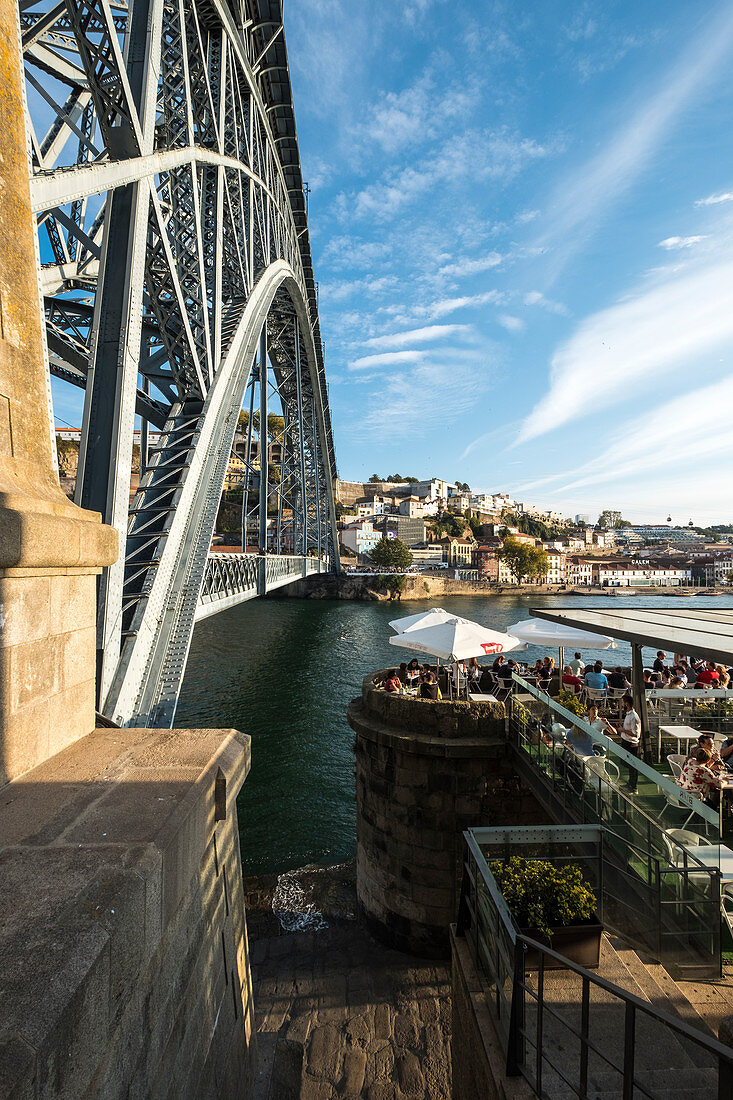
{"x": 661, "y": 781}
{"x": 516, "y": 1062}
{"x": 633, "y": 1004}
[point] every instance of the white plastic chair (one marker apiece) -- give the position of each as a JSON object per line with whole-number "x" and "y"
{"x": 676, "y": 761}
{"x": 675, "y": 802}
{"x": 595, "y": 695}
{"x": 605, "y": 767}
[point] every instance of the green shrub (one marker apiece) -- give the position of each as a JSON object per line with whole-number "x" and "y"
{"x": 540, "y": 894}
{"x": 571, "y": 702}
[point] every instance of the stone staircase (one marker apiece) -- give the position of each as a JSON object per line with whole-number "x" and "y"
{"x": 666, "y": 1064}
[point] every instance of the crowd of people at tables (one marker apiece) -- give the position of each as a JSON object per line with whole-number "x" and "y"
{"x": 704, "y": 768}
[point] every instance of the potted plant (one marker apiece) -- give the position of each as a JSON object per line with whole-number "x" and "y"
{"x": 554, "y": 905}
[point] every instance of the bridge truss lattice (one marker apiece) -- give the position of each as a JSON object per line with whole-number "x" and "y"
{"x": 175, "y": 273}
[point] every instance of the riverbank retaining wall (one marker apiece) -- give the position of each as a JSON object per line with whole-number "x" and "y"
{"x": 425, "y": 772}
{"x": 433, "y": 586}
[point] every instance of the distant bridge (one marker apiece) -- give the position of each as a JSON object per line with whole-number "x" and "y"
{"x": 177, "y": 283}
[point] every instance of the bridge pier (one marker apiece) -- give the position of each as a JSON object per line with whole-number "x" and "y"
{"x": 123, "y": 947}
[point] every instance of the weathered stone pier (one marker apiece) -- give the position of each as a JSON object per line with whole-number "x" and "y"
{"x": 425, "y": 771}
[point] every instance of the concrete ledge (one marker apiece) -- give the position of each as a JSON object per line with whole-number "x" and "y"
{"x": 478, "y": 1056}
{"x": 119, "y": 891}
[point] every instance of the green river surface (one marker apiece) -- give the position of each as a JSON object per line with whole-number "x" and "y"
{"x": 284, "y": 670}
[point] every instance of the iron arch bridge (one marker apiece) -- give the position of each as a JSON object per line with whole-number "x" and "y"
{"x": 178, "y": 286}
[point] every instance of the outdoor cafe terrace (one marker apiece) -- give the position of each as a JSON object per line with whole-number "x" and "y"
{"x": 658, "y": 821}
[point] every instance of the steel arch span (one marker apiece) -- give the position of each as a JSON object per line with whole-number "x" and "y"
{"x": 176, "y": 275}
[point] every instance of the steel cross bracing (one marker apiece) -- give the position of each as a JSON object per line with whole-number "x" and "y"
{"x": 173, "y": 239}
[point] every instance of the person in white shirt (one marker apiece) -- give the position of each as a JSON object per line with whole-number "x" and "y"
{"x": 577, "y": 665}
{"x": 630, "y": 737}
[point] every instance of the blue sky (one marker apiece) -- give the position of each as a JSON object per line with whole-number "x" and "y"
{"x": 521, "y": 218}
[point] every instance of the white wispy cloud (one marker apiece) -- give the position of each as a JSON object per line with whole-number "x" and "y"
{"x": 418, "y": 113}
{"x": 686, "y": 315}
{"x": 537, "y": 298}
{"x": 444, "y": 306}
{"x": 497, "y": 155}
{"x": 425, "y": 335}
{"x": 387, "y": 359}
{"x": 654, "y": 441}
{"x": 413, "y": 403}
{"x": 674, "y": 243}
{"x": 510, "y": 323}
{"x": 584, "y": 198}
{"x": 464, "y": 267}
{"x": 715, "y": 200}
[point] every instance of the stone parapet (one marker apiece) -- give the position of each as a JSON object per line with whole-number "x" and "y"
{"x": 123, "y": 947}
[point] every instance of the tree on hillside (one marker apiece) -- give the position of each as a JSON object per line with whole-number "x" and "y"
{"x": 609, "y": 519}
{"x": 538, "y": 562}
{"x": 515, "y": 555}
{"x": 375, "y": 478}
{"x": 391, "y": 554}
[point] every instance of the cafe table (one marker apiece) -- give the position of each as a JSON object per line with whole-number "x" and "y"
{"x": 479, "y": 697}
{"x": 716, "y": 855}
{"x": 682, "y": 733}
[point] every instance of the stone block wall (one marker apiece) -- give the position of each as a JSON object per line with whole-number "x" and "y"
{"x": 425, "y": 772}
{"x": 47, "y": 664}
{"x": 123, "y": 945}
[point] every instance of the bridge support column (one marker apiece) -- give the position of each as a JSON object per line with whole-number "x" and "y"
{"x": 264, "y": 463}
{"x": 119, "y": 849}
{"x": 50, "y": 550}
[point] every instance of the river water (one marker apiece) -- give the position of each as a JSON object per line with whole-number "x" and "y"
{"x": 284, "y": 671}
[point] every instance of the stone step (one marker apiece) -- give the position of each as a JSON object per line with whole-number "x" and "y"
{"x": 659, "y": 986}
{"x": 695, "y": 1084}
{"x": 658, "y": 1048}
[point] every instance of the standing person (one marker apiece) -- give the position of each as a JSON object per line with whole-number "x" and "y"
{"x": 630, "y": 737}
{"x": 577, "y": 665}
{"x": 474, "y": 671}
{"x": 659, "y": 665}
{"x": 413, "y": 672}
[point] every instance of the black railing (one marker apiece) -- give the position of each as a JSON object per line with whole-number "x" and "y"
{"x": 571, "y": 1029}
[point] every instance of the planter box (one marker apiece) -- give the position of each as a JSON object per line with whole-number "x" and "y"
{"x": 580, "y": 943}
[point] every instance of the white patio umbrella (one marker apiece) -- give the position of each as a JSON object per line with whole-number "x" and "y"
{"x": 456, "y": 640}
{"x": 423, "y": 618}
{"x": 543, "y": 632}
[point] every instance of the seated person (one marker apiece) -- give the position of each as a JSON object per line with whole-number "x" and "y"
{"x": 696, "y": 777}
{"x": 569, "y": 680}
{"x": 680, "y": 672}
{"x": 705, "y": 741}
{"x": 498, "y": 662}
{"x": 617, "y": 679}
{"x": 393, "y": 682}
{"x": 648, "y": 682}
{"x": 473, "y": 670}
{"x": 580, "y": 742}
{"x": 505, "y": 672}
{"x": 677, "y": 683}
{"x": 596, "y": 677}
{"x": 402, "y": 672}
{"x": 537, "y": 670}
{"x": 429, "y": 687}
{"x": 708, "y": 676}
{"x": 413, "y": 672}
